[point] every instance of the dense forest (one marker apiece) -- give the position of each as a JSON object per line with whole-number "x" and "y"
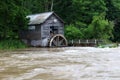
{"x": 84, "y": 19}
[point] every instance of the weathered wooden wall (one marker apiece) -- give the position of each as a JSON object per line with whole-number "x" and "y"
{"x": 31, "y": 35}
{"x": 45, "y": 27}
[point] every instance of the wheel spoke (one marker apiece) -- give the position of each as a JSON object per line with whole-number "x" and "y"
{"x": 61, "y": 41}
{"x": 57, "y": 40}
{"x": 54, "y": 42}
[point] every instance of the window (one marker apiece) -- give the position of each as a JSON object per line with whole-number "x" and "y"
{"x": 31, "y": 27}
{"x": 54, "y": 29}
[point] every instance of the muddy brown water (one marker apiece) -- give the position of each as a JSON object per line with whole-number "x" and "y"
{"x": 69, "y": 63}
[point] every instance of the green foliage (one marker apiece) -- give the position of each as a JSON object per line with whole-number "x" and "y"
{"x": 34, "y": 6}
{"x": 65, "y": 9}
{"x": 71, "y": 32}
{"x": 100, "y": 28}
{"x": 12, "y": 19}
{"x": 113, "y": 14}
{"x": 109, "y": 45}
{"x": 116, "y": 31}
{"x": 84, "y": 10}
{"x": 11, "y": 44}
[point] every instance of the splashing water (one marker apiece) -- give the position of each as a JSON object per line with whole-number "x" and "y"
{"x": 69, "y": 63}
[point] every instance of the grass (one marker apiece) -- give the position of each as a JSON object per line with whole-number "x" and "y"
{"x": 11, "y": 44}
{"x": 108, "y": 44}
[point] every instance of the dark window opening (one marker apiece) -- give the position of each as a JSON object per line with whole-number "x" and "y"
{"x": 54, "y": 29}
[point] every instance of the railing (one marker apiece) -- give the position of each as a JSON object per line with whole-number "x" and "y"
{"x": 87, "y": 42}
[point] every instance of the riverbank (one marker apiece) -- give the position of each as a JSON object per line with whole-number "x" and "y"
{"x": 112, "y": 45}
{"x": 15, "y": 44}
{"x": 11, "y": 44}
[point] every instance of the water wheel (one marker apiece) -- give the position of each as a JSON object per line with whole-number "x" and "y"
{"x": 57, "y": 40}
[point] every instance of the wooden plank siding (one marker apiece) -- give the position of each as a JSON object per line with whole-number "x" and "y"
{"x": 45, "y": 27}
{"x": 32, "y": 35}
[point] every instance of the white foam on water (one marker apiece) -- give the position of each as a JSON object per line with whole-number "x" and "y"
{"x": 1, "y": 69}
{"x": 76, "y": 63}
{"x": 30, "y": 74}
{"x": 69, "y": 71}
{"x": 71, "y": 51}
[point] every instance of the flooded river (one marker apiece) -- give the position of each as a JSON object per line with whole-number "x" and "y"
{"x": 70, "y": 63}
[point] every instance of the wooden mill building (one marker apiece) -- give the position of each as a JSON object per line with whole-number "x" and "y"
{"x": 44, "y": 29}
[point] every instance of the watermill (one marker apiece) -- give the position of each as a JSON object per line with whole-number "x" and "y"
{"x": 44, "y": 30}
{"x": 57, "y": 40}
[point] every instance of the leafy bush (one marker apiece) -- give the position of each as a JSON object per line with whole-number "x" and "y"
{"x": 11, "y": 44}
{"x": 71, "y": 32}
{"x": 100, "y": 28}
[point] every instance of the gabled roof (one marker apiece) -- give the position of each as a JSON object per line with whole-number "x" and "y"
{"x": 41, "y": 18}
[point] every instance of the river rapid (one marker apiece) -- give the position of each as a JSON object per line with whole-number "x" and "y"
{"x": 68, "y": 63}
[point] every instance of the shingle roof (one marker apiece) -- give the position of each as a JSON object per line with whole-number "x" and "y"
{"x": 39, "y": 18}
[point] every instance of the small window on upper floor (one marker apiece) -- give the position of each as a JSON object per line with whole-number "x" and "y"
{"x": 31, "y": 27}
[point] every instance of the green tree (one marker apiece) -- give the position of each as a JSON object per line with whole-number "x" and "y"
{"x": 37, "y": 6}
{"x": 34, "y": 6}
{"x": 12, "y": 19}
{"x": 113, "y": 14}
{"x": 84, "y": 10}
{"x": 100, "y": 28}
{"x": 71, "y": 32}
{"x": 64, "y": 9}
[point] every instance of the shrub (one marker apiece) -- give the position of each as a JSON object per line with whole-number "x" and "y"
{"x": 71, "y": 32}
{"x": 11, "y": 44}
